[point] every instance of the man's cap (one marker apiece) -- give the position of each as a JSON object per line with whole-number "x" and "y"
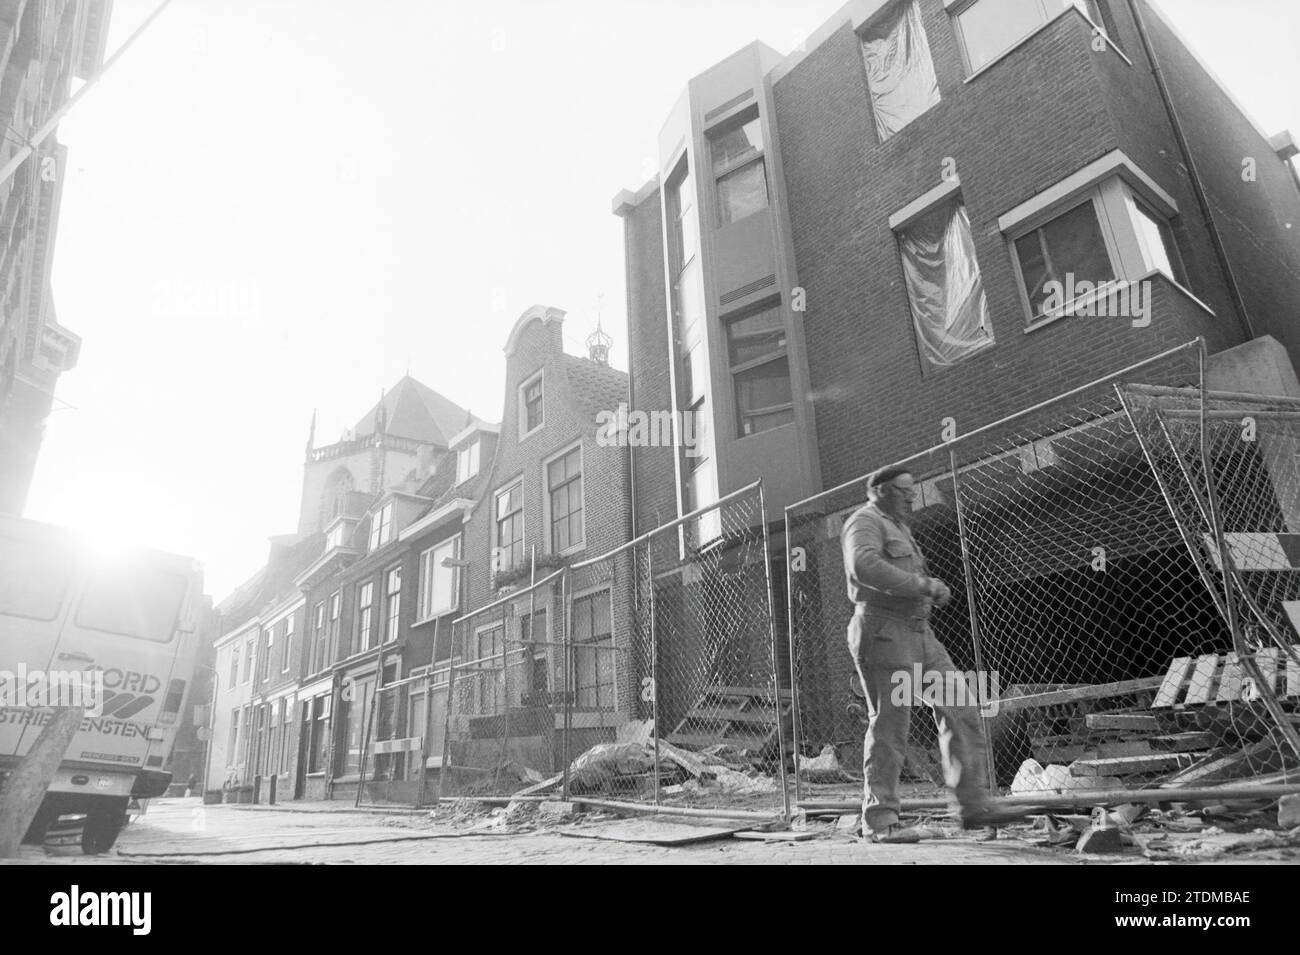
{"x": 885, "y": 475}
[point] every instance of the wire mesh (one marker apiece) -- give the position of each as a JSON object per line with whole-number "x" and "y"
{"x": 1078, "y": 540}
{"x": 675, "y": 698}
{"x": 504, "y": 697}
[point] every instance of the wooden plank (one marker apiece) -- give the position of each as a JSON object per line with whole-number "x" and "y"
{"x": 1183, "y": 742}
{"x": 658, "y": 830}
{"x": 1127, "y": 765}
{"x": 1267, "y": 661}
{"x": 740, "y": 742}
{"x": 1222, "y": 765}
{"x": 1230, "y": 682}
{"x": 1087, "y": 692}
{"x": 765, "y": 693}
{"x": 732, "y": 716}
{"x": 1132, "y": 722}
{"x": 1167, "y": 695}
{"x": 1201, "y": 684}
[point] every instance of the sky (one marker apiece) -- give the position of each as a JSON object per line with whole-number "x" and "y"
{"x": 275, "y": 207}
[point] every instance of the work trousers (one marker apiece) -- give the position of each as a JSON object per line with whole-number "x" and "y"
{"x": 882, "y": 649}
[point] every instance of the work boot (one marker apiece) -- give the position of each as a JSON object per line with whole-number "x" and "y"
{"x": 892, "y": 834}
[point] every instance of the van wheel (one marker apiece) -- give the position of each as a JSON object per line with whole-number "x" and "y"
{"x": 101, "y": 831}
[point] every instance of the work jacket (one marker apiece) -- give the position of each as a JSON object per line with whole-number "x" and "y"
{"x": 885, "y": 567}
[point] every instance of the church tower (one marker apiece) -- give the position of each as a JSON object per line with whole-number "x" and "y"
{"x": 401, "y": 434}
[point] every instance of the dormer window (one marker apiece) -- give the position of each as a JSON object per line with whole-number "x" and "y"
{"x": 381, "y": 527}
{"x": 467, "y": 461}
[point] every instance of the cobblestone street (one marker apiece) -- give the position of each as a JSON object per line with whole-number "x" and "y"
{"x": 181, "y": 831}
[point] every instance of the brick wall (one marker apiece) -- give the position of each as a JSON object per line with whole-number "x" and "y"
{"x": 648, "y": 357}
{"x": 1028, "y": 121}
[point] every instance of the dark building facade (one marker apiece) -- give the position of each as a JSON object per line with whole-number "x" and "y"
{"x": 43, "y": 45}
{"x": 848, "y": 246}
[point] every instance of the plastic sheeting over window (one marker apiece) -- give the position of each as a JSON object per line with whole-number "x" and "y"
{"x": 949, "y": 310}
{"x": 900, "y": 73}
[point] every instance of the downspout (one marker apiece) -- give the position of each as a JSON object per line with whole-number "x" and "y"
{"x": 1198, "y": 187}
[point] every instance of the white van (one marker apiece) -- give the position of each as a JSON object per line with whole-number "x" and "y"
{"x": 124, "y": 624}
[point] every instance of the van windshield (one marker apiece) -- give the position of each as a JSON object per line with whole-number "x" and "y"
{"x": 134, "y": 601}
{"x": 33, "y": 579}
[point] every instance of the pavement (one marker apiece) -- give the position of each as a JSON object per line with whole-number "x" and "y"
{"x": 183, "y": 831}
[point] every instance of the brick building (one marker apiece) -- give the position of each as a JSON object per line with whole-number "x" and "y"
{"x": 43, "y": 45}
{"x": 922, "y": 221}
{"x": 802, "y": 201}
{"x": 554, "y": 493}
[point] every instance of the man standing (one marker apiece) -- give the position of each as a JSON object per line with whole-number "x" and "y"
{"x": 889, "y": 634}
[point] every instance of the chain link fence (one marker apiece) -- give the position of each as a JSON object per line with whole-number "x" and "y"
{"x": 506, "y": 693}
{"x": 644, "y": 675}
{"x": 1078, "y": 540}
{"x": 683, "y": 675}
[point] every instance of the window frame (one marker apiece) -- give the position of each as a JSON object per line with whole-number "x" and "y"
{"x": 548, "y": 500}
{"x": 1094, "y": 15}
{"x": 730, "y": 167}
{"x": 1113, "y": 198}
{"x": 381, "y": 527}
{"x": 428, "y": 568}
{"x": 613, "y": 649}
{"x": 250, "y": 657}
{"x": 469, "y": 454}
{"x": 365, "y": 615}
{"x": 392, "y": 603}
{"x": 537, "y": 378}
{"x": 265, "y": 667}
{"x": 286, "y": 649}
{"x": 497, "y": 549}
{"x": 734, "y": 371}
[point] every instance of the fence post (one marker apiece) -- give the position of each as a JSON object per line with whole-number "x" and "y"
{"x": 796, "y": 717}
{"x": 968, "y": 572}
{"x": 446, "y": 715}
{"x": 776, "y": 659}
{"x": 654, "y": 662}
{"x": 566, "y": 606}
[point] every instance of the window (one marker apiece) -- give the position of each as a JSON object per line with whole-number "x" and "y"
{"x": 286, "y": 647}
{"x": 530, "y": 405}
{"x": 365, "y": 615}
{"x": 1066, "y": 250}
{"x": 337, "y": 535}
{"x": 1093, "y": 237}
{"x": 1156, "y": 239}
{"x": 439, "y": 587}
{"x": 685, "y": 235}
{"x": 233, "y": 748}
{"x": 234, "y": 664}
{"x": 593, "y": 651}
{"x": 250, "y": 651}
{"x": 318, "y": 711}
{"x": 900, "y": 74}
{"x": 265, "y": 668}
{"x": 756, "y": 351}
{"x": 533, "y": 674}
{"x": 738, "y": 170}
{"x": 986, "y": 29}
{"x": 510, "y": 527}
{"x": 487, "y": 675}
{"x": 393, "y": 591}
{"x": 132, "y": 601}
{"x": 564, "y": 484}
{"x": 467, "y": 462}
{"x": 950, "y": 314}
{"x": 354, "y": 724}
{"x": 381, "y": 527}
{"x": 331, "y": 642}
{"x": 33, "y": 579}
{"x": 317, "y": 637}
